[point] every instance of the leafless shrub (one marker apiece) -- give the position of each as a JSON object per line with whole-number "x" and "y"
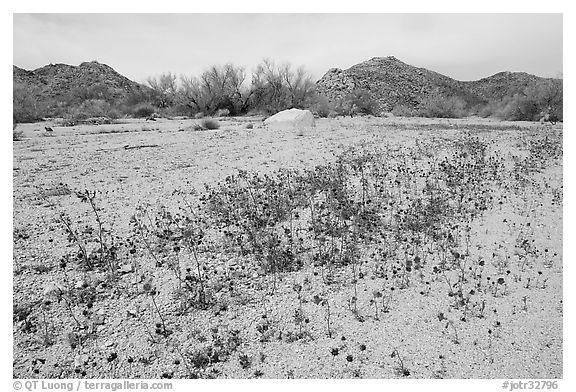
{"x": 218, "y": 88}
{"x": 16, "y": 134}
{"x": 222, "y": 112}
{"x": 440, "y": 106}
{"x": 543, "y": 100}
{"x": 164, "y": 88}
{"x": 209, "y": 123}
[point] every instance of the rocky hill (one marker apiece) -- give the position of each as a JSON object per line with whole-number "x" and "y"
{"x": 501, "y": 84}
{"x": 89, "y": 80}
{"x": 393, "y": 83}
{"x": 388, "y": 81}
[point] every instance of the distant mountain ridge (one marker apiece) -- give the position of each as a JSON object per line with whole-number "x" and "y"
{"x": 393, "y": 83}
{"x": 96, "y": 80}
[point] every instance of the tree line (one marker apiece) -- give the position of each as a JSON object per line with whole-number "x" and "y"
{"x": 273, "y": 87}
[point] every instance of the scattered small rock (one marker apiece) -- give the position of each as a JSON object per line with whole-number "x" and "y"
{"x": 80, "y": 360}
{"x": 126, "y": 268}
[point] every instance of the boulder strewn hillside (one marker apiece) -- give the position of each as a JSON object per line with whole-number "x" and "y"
{"x": 502, "y": 84}
{"x": 89, "y": 80}
{"x": 393, "y": 83}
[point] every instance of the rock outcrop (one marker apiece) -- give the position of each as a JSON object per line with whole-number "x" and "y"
{"x": 392, "y": 83}
{"x": 89, "y": 80}
{"x": 502, "y": 84}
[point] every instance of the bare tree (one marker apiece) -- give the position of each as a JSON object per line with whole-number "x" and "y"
{"x": 267, "y": 87}
{"x": 219, "y": 87}
{"x": 280, "y": 87}
{"x": 165, "y": 89}
{"x": 299, "y": 83}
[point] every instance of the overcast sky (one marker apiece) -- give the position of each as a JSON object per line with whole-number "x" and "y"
{"x": 463, "y": 46}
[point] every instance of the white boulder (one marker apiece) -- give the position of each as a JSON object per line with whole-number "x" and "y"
{"x": 291, "y": 118}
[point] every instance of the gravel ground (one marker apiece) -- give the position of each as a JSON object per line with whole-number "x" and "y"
{"x": 519, "y": 334}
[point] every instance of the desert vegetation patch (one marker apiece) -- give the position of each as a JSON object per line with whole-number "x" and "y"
{"x": 371, "y": 247}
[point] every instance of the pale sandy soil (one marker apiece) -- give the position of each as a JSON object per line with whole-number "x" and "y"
{"x": 525, "y": 339}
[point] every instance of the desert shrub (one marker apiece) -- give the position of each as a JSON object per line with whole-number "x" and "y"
{"x": 321, "y": 107}
{"x": 97, "y": 120}
{"x": 361, "y": 102}
{"x": 26, "y": 107}
{"x": 339, "y": 107}
{"x": 143, "y": 111}
{"x": 404, "y": 111}
{"x": 199, "y": 115}
{"x": 17, "y": 135}
{"x": 209, "y": 123}
{"x": 135, "y": 98}
{"x": 176, "y": 110}
{"x": 548, "y": 97}
{"x": 114, "y": 113}
{"x": 92, "y": 108}
{"x": 484, "y": 110}
{"x": 222, "y": 112}
{"x": 518, "y": 108}
{"x": 67, "y": 122}
{"x": 171, "y": 111}
{"x": 440, "y": 106}
{"x": 358, "y": 101}
{"x": 536, "y": 101}
{"x": 97, "y": 91}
